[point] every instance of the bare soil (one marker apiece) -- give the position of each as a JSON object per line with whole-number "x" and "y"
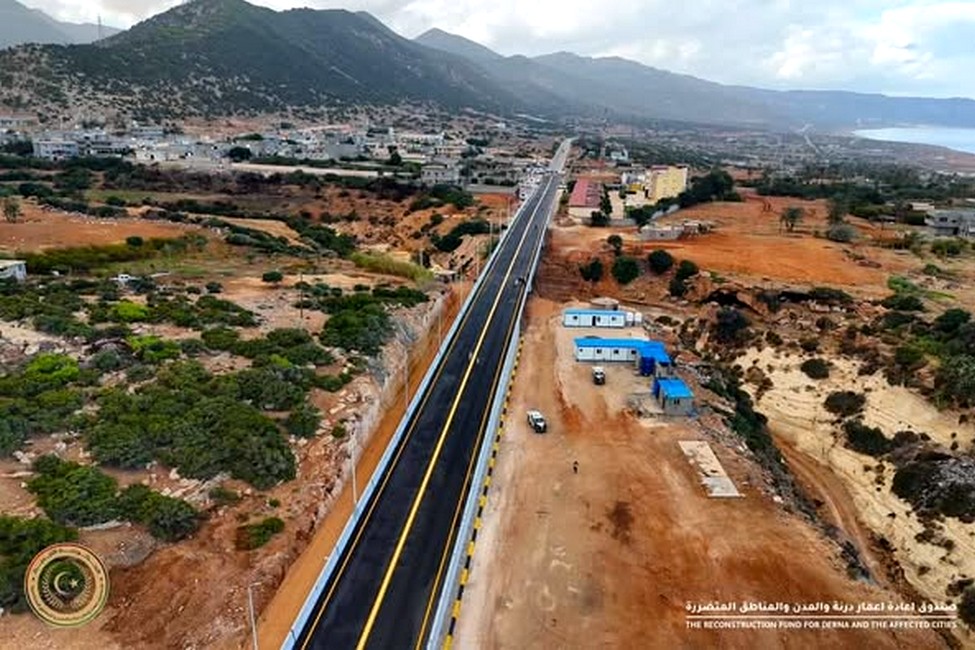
{"x": 42, "y": 228}
{"x": 608, "y": 557}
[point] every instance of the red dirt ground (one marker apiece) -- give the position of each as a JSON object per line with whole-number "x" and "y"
{"x": 608, "y": 557}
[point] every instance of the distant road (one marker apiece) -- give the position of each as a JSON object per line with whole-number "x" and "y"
{"x": 386, "y": 582}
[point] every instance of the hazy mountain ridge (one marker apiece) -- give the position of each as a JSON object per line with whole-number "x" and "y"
{"x": 222, "y": 57}
{"x": 625, "y": 86}
{"x": 20, "y": 25}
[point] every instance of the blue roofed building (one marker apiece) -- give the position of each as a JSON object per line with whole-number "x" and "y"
{"x": 650, "y": 357}
{"x": 673, "y": 395}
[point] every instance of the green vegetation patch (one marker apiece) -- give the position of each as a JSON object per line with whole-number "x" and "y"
{"x": 253, "y": 536}
{"x": 20, "y": 540}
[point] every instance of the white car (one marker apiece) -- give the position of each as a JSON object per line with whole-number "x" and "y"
{"x": 537, "y": 421}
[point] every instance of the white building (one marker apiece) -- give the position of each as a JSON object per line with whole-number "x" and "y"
{"x": 594, "y": 318}
{"x": 440, "y": 174}
{"x": 15, "y": 269}
{"x": 55, "y": 149}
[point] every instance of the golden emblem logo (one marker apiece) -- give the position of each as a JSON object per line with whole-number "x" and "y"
{"x": 66, "y": 585}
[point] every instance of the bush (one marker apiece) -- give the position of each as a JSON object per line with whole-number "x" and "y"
{"x": 257, "y": 535}
{"x": 951, "y": 321}
{"x": 135, "y": 241}
{"x": 272, "y": 277}
{"x": 677, "y": 287}
{"x": 339, "y": 431}
{"x": 71, "y": 494}
{"x": 809, "y": 345}
{"x": 842, "y": 233}
{"x": 845, "y": 403}
{"x": 625, "y": 269}
{"x": 730, "y": 326}
{"x": 815, "y": 368}
{"x": 167, "y": 518}
{"x": 388, "y": 266}
{"x": 20, "y": 541}
{"x": 966, "y": 607}
{"x": 129, "y": 312}
{"x": 686, "y": 269}
{"x": 221, "y": 496}
{"x": 866, "y": 440}
{"x": 593, "y": 271}
{"x": 660, "y": 261}
{"x": 303, "y": 421}
{"x": 909, "y": 356}
{"x": 903, "y": 302}
{"x": 214, "y": 287}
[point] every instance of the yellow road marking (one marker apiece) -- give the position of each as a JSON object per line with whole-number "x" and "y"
{"x": 417, "y": 500}
{"x": 403, "y": 445}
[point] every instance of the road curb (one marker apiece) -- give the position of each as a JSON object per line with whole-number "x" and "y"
{"x": 481, "y": 504}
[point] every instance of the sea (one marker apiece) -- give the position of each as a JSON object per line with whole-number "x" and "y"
{"x": 957, "y": 139}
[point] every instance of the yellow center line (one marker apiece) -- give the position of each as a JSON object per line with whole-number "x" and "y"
{"x": 398, "y": 551}
{"x": 395, "y": 460}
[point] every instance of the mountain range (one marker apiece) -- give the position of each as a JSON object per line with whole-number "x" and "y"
{"x": 220, "y": 57}
{"x": 20, "y": 25}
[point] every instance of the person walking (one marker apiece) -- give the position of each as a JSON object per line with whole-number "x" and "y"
{"x": 575, "y": 467}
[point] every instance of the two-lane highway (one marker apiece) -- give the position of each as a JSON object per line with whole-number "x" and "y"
{"x": 387, "y": 581}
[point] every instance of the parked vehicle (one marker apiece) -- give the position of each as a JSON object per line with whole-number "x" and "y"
{"x": 598, "y": 375}
{"x": 537, "y": 421}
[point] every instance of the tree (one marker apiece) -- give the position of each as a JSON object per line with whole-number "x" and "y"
{"x": 605, "y": 204}
{"x": 837, "y": 211}
{"x": 593, "y": 271}
{"x": 626, "y": 269}
{"x": 966, "y": 608}
{"x": 272, "y": 277}
{"x": 134, "y": 241}
{"x": 791, "y": 217}
{"x": 686, "y": 269}
{"x": 11, "y": 209}
{"x": 617, "y": 243}
{"x": 730, "y": 325}
{"x": 395, "y": 160}
{"x": 660, "y": 261}
{"x": 239, "y": 154}
{"x": 598, "y": 219}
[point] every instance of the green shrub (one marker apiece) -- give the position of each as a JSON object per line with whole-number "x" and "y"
{"x": 660, "y": 261}
{"x": 388, "y": 266}
{"x": 303, "y": 422}
{"x": 257, "y": 535}
{"x": 20, "y": 541}
{"x": 214, "y": 287}
{"x": 845, "y": 403}
{"x": 677, "y": 287}
{"x": 364, "y": 329}
{"x": 168, "y": 519}
{"x": 135, "y": 241}
{"x": 272, "y": 277}
{"x": 842, "y": 233}
{"x": 72, "y": 494}
{"x": 129, "y": 312}
{"x": 625, "y": 269}
{"x": 966, "y": 607}
{"x": 866, "y": 440}
{"x": 152, "y": 349}
{"x": 686, "y": 269}
{"x": 903, "y": 302}
{"x": 593, "y": 271}
{"x": 221, "y": 496}
{"x": 339, "y": 431}
{"x": 815, "y": 368}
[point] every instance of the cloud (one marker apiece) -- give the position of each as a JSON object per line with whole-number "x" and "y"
{"x": 894, "y": 46}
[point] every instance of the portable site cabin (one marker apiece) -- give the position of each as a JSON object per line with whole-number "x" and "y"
{"x": 673, "y": 395}
{"x": 594, "y": 318}
{"x": 650, "y": 357}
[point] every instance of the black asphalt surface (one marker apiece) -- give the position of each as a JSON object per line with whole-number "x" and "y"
{"x": 406, "y": 609}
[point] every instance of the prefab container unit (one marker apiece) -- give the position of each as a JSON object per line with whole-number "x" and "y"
{"x": 632, "y": 350}
{"x": 593, "y": 318}
{"x": 673, "y": 395}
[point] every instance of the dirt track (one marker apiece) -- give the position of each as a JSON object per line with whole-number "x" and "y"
{"x": 610, "y": 556}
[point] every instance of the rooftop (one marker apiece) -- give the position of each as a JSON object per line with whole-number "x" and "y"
{"x": 585, "y": 194}
{"x": 675, "y": 388}
{"x": 594, "y": 312}
{"x": 652, "y": 349}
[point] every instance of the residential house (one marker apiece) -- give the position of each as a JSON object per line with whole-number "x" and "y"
{"x": 440, "y": 173}
{"x": 952, "y": 223}
{"x": 585, "y": 198}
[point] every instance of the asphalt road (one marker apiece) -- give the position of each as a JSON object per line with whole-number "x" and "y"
{"x": 387, "y": 582}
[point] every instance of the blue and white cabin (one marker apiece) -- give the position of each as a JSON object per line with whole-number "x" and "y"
{"x": 593, "y": 318}
{"x": 650, "y": 357}
{"x": 673, "y": 395}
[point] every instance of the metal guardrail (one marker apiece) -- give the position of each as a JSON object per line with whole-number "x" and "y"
{"x": 441, "y": 626}
{"x": 299, "y": 623}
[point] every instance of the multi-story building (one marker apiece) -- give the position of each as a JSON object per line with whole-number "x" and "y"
{"x": 440, "y": 173}
{"x": 55, "y": 149}
{"x": 665, "y": 182}
{"x": 952, "y": 223}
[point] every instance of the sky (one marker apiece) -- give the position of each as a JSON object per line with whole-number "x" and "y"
{"x": 898, "y": 47}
